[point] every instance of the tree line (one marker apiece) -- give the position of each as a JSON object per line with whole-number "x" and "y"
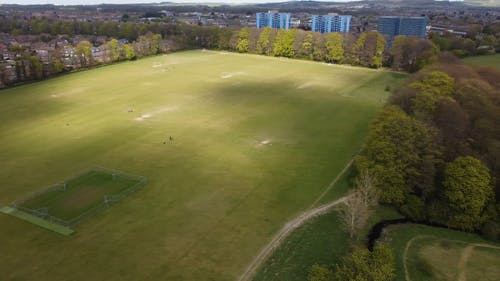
{"x": 30, "y": 65}
{"x": 435, "y": 149}
{"x": 367, "y": 49}
{"x": 479, "y": 40}
{"x": 433, "y": 152}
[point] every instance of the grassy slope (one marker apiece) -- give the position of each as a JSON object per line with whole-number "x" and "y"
{"x": 483, "y": 265}
{"x": 215, "y": 195}
{"x": 399, "y": 235}
{"x": 321, "y": 241}
{"x": 491, "y": 60}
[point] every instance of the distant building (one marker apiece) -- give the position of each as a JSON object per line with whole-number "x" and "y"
{"x": 407, "y": 26}
{"x": 273, "y": 19}
{"x": 331, "y": 23}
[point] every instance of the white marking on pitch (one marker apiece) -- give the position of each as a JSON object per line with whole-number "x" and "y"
{"x": 229, "y": 75}
{"x": 159, "y": 111}
{"x": 264, "y": 142}
{"x": 143, "y": 117}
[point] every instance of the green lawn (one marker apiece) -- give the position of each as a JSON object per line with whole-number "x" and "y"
{"x": 255, "y": 141}
{"x": 321, "y": 241}
{"x": 436, "y": 253}
{"x": 80, "y": 194}
{"x": 490, "y": 60}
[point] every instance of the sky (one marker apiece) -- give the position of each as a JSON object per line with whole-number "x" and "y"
{"x": 92, "y": 2}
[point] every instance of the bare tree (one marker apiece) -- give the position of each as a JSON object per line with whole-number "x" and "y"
{"x": 365, "y": 186}
{"x": 359, "y": 204}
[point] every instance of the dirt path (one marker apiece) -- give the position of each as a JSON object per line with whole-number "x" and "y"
{"x": 405, "y": 254}
{"x": 464, "y": 257}
{"x": 332, "y": 184}
{"x": 294, "y": 224}
{"x": 283, "y": 233}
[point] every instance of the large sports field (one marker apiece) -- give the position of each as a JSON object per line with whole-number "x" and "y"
{"x": 255, "y": 140}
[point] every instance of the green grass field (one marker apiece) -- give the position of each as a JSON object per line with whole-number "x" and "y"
{"x": 430, "y": 253}
{"x": 255, "y": 141}
{"x": 321, "y": 241}
{"x": 490, "y": 60}
{"x": 80, "y": 194}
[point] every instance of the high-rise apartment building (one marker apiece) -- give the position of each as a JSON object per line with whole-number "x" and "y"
{"x": 330, "y": 23}
{"x": 407, "y": 26}
{"x": 273, "y": 19}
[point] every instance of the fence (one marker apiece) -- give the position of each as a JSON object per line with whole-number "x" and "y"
{"x": 107, "y": 201}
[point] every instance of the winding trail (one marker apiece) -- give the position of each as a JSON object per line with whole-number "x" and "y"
{"x": 464, "y": 257}
{"x": 290, "y": 226}
{"x": 462, "y": 263}
{"x": 405, "y": 254}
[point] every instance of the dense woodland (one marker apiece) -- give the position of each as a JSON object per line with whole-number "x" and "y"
{"x": 435, "y": 150}
{"x": 433, "y": 153}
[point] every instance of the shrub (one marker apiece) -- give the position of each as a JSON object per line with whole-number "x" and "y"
{"x": 491, "y": 231}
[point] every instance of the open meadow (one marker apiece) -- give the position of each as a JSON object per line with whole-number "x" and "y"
{"x": 487, "y": 60}
{"x": 430, "y": 253}
{"x": 232, "y": 146}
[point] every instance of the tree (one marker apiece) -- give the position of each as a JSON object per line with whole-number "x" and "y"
{"x": 142, "y": 46}
{"x": 243, "y": 36}
{"x": 320, "y": 273}
{"x": 474, "y": 30}
{"x": 306, "y": 47}
{"x": 57, "y": 66}
{"x": 378, "y": 55}
{"x": 128, "y": 52}
{"x": 467, "y": 189}
{"x": 253, "y": 37}
{"x": 430, "y": 89}
{"x": 359, "y": 204}
{"x": 264, "y": 41}
{"x": 319, "y": 49}
{"x": 397, "y": 149}
{"x": 369, "y": 49}
{"x": 453, "y": 124}
{"x": 283, "y": 45}
{"x": 155, "y": 43}
{"x": 67, "y": 28}
{"x": 114, "y": 49}
{"x": 36, "y": 67}
{"x": 334, "y": 47}
{"x": 412, "y": 54}
{"x": 84, "y": 53}
{"x": 362, "y": 265}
